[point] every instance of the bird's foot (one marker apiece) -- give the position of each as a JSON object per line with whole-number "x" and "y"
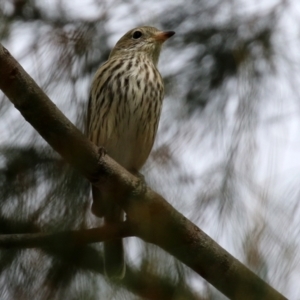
{"x": 142, "y": 184}
{"x": 101, "y": 151}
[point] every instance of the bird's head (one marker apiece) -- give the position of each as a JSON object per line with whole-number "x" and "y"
{"x": 147, "y": 40}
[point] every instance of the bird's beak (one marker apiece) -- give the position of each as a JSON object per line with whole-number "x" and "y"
{"x": 162, "y": 36}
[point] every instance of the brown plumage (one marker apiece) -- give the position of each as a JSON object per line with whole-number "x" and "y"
{"x": 123, "y": 114}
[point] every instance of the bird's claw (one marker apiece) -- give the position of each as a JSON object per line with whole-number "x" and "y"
{"x": 142, "y": 184}
{"x": 101, "y": 151}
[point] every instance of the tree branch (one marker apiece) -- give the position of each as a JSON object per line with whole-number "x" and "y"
{"x": 151, "y": 217}
{"x": 66, "y": 239}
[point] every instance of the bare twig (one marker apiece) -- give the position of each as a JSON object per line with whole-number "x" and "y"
{"x": 67, "y": 238}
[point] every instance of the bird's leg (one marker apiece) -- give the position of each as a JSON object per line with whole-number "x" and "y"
{"x": 142, "y": 184}
{"x": 138, "y": 175}
{"x": 101, "y": 151}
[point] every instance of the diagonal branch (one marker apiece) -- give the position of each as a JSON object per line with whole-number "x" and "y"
{"x": 152, "y": 217}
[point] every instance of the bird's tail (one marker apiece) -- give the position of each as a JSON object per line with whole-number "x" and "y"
{"x": 114, "y": 264}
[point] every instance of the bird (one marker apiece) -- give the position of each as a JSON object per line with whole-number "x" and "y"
{"x": 124, "y": 109}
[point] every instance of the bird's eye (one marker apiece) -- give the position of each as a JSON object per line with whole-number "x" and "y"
{"x": 136, "y": 35}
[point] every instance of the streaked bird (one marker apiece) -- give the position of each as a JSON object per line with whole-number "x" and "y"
{"x": 123, "y": 114}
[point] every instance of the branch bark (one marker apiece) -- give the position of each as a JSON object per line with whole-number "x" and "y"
{"x": 150, "y": 216}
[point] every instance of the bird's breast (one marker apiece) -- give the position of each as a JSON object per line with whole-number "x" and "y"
{"x": 129, "y": 119}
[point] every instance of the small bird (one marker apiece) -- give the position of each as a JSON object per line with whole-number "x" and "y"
{"x": 123, "y": 114}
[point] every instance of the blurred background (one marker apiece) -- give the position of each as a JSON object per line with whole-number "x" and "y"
{"x": 227, "y": 154}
